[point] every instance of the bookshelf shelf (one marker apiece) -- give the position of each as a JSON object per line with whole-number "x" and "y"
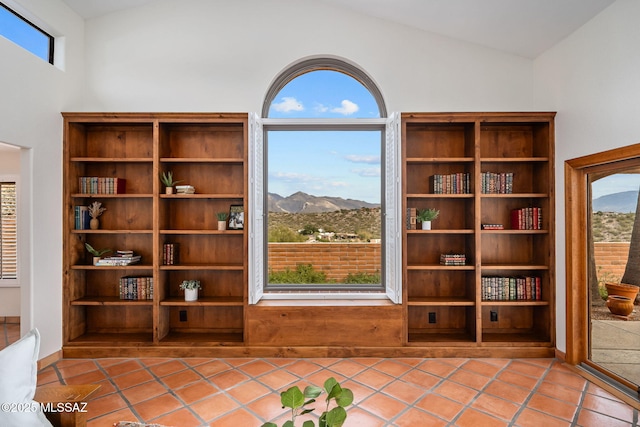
{"x": 189, "y": 267}
{"x": 508, "y": 152}
{"x": 109, "y": 301}
{"x": 440, "y": 301}
{"x": 204, "y": 301}
{"x": 442, "y": 231}
{"x": 514, "y": 159}
{"x": 238, "y": 160}
{"x": 440, "y": 160}
{"x": 112, "y": 267}
{"x": 112, "y": 159}
{"x": 201, "y": 196}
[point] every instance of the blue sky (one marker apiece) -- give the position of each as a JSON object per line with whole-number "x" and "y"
{"x": 23, "y": 34}
{"x": 616, "y": 183}
{"x": 340, "y": 164}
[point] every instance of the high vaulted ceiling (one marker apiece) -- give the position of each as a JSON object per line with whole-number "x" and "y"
{"x": 522, "y": 27}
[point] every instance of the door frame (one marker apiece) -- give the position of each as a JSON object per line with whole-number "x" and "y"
{"x": 577, "y": 289}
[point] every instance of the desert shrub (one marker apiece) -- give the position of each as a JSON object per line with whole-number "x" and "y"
{"x": 362, "y": 278}
{"x": 280, "y": 234}
{"x": 304, "y": 273}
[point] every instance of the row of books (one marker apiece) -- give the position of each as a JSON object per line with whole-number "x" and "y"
{"x": 170, "y": 253}
{"x": 526, "y": 219}
{"x": 497, "y": 182}
{"x": 455, "y": 183}
{"x": 102, "y": 185}
{"x": 495, "y": 288}
{"x": 120, "y": 258}
{"x": 81, "y": 217}
{"x": 136, "y": 288}
{"x": 453, "y": 259}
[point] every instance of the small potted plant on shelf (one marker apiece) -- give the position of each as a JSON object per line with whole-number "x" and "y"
{"x": 169, "y": 183}
{"x": 222, "y": 220}
{"x": 190, "y": 288}
{"x": 425, "y": 216}
{"x": 97, "y": 253}
{"x": 95, "y": 210}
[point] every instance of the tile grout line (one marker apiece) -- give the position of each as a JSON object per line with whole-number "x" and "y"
{"x": 171, "y": 392}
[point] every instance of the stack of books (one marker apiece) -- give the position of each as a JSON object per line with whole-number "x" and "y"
{"x": 119, "y": 259}
{"x": 102, "y": 185}
{"x": 511, "y": 288}
{"x": 492, "y": 227}
{"x": 453, "y": 259}
{"x": 497, "y": 182}
{"x": 185, "y": 189}
{"x": 411, "y": 218}
{"x": 136, "y": 288}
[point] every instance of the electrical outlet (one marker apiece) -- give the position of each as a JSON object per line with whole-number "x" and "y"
{"x": 432, "y": 317}
{"x": 493, "y": 316}
{"x": 183, "y": 315}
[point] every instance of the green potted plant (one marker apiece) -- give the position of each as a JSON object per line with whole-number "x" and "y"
{"x": 97, "y": 253}
{"x": 297, "y": 400}
{"x": 169, "y": 183}
{"x": 222, "y": 220}
{"x": 425, "y": 216}
{"x": 190, "y": 288}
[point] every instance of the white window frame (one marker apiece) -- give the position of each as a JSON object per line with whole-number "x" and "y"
{"x": 12, "y": 283}
{"x": 392, "y": 238}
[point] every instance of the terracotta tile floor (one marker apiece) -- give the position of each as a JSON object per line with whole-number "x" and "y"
{"x": 388, "y": 392}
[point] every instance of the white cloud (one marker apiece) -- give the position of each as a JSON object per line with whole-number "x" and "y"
{"x": 288, "y": 104}
{"x": 358, "y": 158}
{"x": 367, "y": 172}
{"x": 347, "y": 108}
{"x": 320, "y": 108}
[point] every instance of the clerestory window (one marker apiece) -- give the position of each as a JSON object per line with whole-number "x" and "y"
{"x": 325, "y": 193}
{"x": 25, "y": 34}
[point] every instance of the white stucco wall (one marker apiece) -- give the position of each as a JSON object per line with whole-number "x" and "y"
{"x": 592, "y": 80}
{"x": 203, "y": 55}
{"x": 33, "y": 94}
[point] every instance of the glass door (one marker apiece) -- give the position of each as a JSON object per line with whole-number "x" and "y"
{"x": 613, "y": 252}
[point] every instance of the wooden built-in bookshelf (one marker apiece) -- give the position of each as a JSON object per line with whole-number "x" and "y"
{"x": 207, "y": 151}
{"x": 442, "y": 313}
{"x": 444, "y": 304}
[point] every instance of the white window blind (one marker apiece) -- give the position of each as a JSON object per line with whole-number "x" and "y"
{"x": 8, "y": 231}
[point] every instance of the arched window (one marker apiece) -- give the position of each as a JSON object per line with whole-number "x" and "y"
{"x": 325, "y": 188}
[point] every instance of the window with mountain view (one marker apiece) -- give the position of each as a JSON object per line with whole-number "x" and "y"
{"x": 324, "y": 185}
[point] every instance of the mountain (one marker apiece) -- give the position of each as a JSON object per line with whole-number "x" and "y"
{"x": 623, "y": 202}
{"x": 305, "y": 203}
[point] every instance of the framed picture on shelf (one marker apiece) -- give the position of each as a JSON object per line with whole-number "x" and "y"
{"x": 236, "y": 217}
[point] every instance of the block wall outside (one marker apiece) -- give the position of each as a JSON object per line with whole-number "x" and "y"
{"x": 611, "y": 260}
{"x": 335, "y": 259}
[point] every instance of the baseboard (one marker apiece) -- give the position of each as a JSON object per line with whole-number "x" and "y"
{"x": 561, "y": 355}
{"x": 50, "y": 359}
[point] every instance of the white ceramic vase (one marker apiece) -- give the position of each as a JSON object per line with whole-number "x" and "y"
{"x": 426, "y": 225}
{"x": 191, "y": 295}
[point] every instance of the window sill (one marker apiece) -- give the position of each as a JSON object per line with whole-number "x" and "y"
{"x": 324, "y": 299}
